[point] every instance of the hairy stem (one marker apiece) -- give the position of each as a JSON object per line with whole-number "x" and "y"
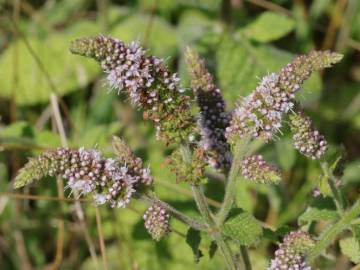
{"x": 328, "y": 236}
{"x": 339, "y": 199}
{"x": 205, "y": 212}
{"x": 151, "y": 198}
{"x": 213, "y": 230}
{"x": 240, "y": 149}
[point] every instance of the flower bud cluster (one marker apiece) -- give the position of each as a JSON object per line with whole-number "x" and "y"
{"x": 157, "y": 221}
{"x": 293, "y": 75}
{"x": 306, "y": 138}
{"x": 147, "y": 81}
{"x": 256, "y": 169}
{"x": 260, "y": 113}
{"x": 86, "y": 171}
{"x": 213, "y": 118}
{"x": 290, "y": 254}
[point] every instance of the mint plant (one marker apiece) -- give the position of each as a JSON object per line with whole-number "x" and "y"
{"x": 213, "y": 138}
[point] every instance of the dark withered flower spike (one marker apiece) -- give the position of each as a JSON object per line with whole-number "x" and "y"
{"x": 213, "y": 119}
{"x": 147, "y": 81}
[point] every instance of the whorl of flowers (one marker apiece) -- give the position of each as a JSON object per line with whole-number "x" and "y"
{"x": 260, "y": 113}
{"x": 190, "y": 171}
{"x": 86, "y": 171}
{"x": 306, "y": 138}
{"x": 157, "y": 221}
{"x": 147, "y": 81}
{"x": 213, "y": 118}
{"x": 291, "y": 253}
{"x": 256, "y": 169}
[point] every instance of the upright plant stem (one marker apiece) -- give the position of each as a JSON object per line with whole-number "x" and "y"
{"x": 213, "y": 230}
{"x": 339, "y": 199}
{"x": 205, "y": 212}
{"x": 328, "y": 236}
{"x": 240, "y": 150}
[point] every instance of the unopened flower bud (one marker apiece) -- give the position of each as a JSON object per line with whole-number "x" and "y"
{"x": 256, "y": 169}
{"x": 306, "y": 138}
{"x": 157, "y": 221}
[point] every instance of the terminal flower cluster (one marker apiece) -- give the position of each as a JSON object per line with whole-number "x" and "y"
{"x": 260, "y": 114}
{"x": 86, "y": 171}
{"x": 147, "y": 81}
{"x": 213, "y": 118}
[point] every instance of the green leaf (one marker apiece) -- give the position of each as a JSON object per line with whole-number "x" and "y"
{"x": 350, "y": 247}
{"x": 316, "y": 214}
{"x": 193, "y": 239}
{"x": 243, "y": 228}
{"x": 268, "y": 26}
{"x": 66, "y": 71}
{"x": 161, "y": 36}
{"x": 320, "y": 209}
{"x": 212, "y": 249}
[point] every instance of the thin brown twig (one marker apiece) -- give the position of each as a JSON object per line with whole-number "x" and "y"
{"x": 335, "y": 22}
{"x": 39, "y": 198}
{"x": 271, "y": 6}
{"x": 101, "y": 238}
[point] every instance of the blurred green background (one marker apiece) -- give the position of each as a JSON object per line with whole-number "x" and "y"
{"x": 240, "y": 40}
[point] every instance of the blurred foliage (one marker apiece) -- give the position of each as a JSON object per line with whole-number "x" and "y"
{"x": 241, "y": 42}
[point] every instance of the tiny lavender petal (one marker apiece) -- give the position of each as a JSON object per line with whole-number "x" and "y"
{"x": 157, "y": 221}
{"x": 213, "y": 118}
{"x": 260, "y": 113}
{"x": 292, "y": 251}
{"x": 306, "y": 138}
{"x": 146, "y": 80}
{"x": 256, "y": 169}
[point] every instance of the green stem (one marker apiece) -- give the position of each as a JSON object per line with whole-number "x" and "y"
{"x": 213, "y": 231}
{"x": 241, "y": 147}
{"x": 246, "y": 259}
{"x": 205, "y": 212}
{"x": 150, "y": 198}
{"x": 328, "y": 236}
{"x": 339, "y": 199}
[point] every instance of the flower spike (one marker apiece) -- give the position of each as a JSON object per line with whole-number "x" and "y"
{"x": 86, "y": 171}
{"x": 260, "y": 113}
{"x": 213, "y": 118}
{"x": 147, "y": 81}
